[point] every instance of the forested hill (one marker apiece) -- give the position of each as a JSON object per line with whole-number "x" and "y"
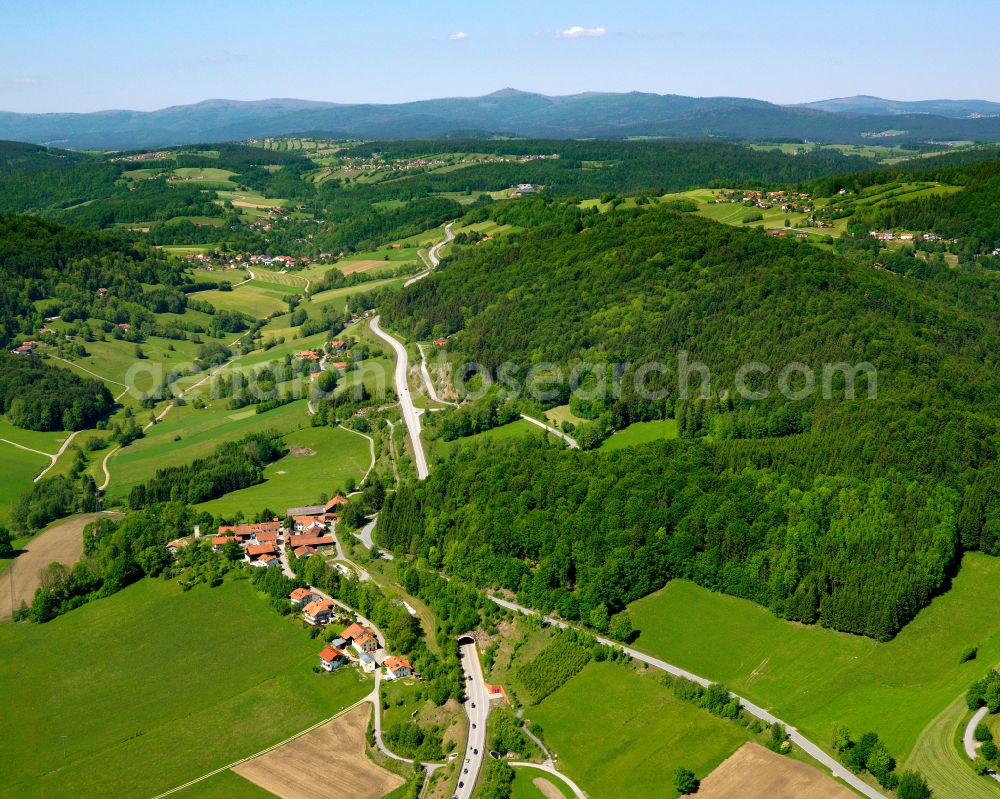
{"x": 45, "y": 260}
{"x": 588, "y": 168}
{"x": 17, "y": 156}
{"x": 847, "y": 512}
{"x": 643, "y": 285}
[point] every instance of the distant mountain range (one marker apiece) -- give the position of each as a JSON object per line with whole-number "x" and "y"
{"x": 515, "y": 113}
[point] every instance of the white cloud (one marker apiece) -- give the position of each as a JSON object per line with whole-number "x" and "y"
{"x": 457, "y": 37}
{"x": 577, "y": 32}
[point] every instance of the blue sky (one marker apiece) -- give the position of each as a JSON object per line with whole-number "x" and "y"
{"x": 85, "y": 55}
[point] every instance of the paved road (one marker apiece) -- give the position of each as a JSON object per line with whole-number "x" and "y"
{"x": 837, "y": 769}
{"x": 433, "y": 256}
{"x": 969, "y": 739}
{"x": 410, "y": 415}
{"x": 570, "y": 442}
{"x": 477, "y": 708}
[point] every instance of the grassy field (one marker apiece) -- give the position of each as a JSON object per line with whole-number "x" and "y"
{"x": 641, "y": 433}
{"x": 561, "y": 413}
{"x": 619, "y": 733}
{"x": 201, "y": 692}
{"x": 340, "y": 296}
{"x": 200, "y": 431}
{"x": 44, "y": 441}
{"x": 113, "y": 360}
{"x": 255, "y": 300}
{"x": 940, "y": 757}
{"x": 521, "y": 427}
{"x": 244, "y": 199}
{"x": 17, "y": 469}
{"x": 225, "y": 785}
{"x": 300, "y": 479}
{"x": 524, "y": 787}
{"x": 210, "y": 177}
{"x": 815, "y": 677}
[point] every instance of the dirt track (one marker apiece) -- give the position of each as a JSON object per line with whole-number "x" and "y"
{"x": 754, "y": 772}
{"x": 327, "y": 763}
{"x": 62, "y": 543}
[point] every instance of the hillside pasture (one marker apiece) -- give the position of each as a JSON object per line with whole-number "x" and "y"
{"x": 201, "y": 691}
{"x": 254, "y": 300}
{"x": 300, "y": 478}
{"x": 653, "y": 733}
{"x": 17, "y": 471}
{"x": 641, "y": 433}
{"x": 815, "y": 678}
{"x": 188, "y": 433}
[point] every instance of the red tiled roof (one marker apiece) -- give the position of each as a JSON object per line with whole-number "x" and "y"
{"x": 308, "y": 540}
{"x": 261, "y": 549}
{"x": 355, "y": 631}
{"x": 219, "y": 540}
{"x": 301, "y": 551}
{"x": 318, "y": 606}
{"x": 393, "y": 663}
{"x": 300, "y": 593}
{"x": 331, "y": 653}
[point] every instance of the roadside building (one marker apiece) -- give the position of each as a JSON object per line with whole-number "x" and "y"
{"x": 332, "y": 658}
{"x": 396, "y": 668}
{"x": 319, "y": 611}
{"x": 303, "y": 596}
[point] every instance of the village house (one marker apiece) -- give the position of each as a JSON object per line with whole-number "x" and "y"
{"x": 266, "y": 538}
{"x": 266, "y": 560}
{"x": 219, "y": 541}
{"x": 309, "y": 540}
{"x": 319, "y": 611}
{"x": 307, "y": 524}
{"x": 255, "y": 552}
{"x": 303, "y": 596}
{"x": 368, "y": 664}
{"x": 304, "y": 552}
{"x": 397, "y": 668}
{"x": 176, "y": 545}
{"x": 367, "y": 642}
{"x": 332, "y": 658}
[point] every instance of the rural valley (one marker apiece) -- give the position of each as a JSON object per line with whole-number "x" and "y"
{"x": 512, "y": 446}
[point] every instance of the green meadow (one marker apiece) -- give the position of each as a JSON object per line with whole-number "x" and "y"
{"x": 815, "y": 678}
{"x": 521, "y": 427}
{"x": 17, "y": 469}
{"x": 136, "y": 693}
{"x": 253, "y": 300}
{"x": 641, "y": 433}
{"x": 524, "y": 787}
{"x": 620, "y": 733}
{"x": 187, "y": 433}
{"x": 225, "y": 785}
{"x": 300, "y": 478}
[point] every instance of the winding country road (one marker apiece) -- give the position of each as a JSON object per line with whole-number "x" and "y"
{"x": 433, "y": 256}
{"x": 837, "y": 769}
{"x": 410, "y": 415}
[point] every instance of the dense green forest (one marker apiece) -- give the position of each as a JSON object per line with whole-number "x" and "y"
{"x": 861, "y": 556}
{"x": 37, "y": 396}
{"x": 816, "y": 508}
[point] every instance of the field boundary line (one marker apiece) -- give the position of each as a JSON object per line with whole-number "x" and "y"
{"x": 85, "y": 369}
{"x": 262, "y": 752}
